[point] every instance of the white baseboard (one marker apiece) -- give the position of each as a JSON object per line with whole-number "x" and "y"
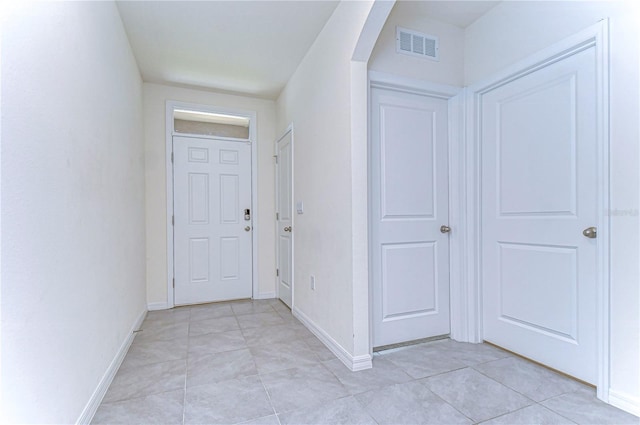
{"x": 157, "y": 306}
{"x": 354, "y": 363}
{"x": 625, "y": 402}
{"x": 265, "y": 296}
{"x": 96, "y": 398}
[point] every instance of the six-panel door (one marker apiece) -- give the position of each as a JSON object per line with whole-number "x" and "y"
{"x": 212, "y": 237}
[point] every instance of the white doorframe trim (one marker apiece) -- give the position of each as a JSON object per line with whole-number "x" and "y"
{"x": 594, "y": 36}
{"x": 171, "y": 105}
{"x": 454, "y": 96}
{"x": 292, "y": 277}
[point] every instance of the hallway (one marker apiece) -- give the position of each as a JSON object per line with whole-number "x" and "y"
{"x": 253, "y": 362}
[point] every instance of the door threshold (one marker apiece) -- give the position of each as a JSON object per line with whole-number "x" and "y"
{"x": 382, "y": 348}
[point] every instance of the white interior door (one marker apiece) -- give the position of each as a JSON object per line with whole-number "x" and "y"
{"x": 539, "y": 184}
{"x": 409, "y": 182}
{"x": 212, "y": 235}
{"x": 284, "y": 195}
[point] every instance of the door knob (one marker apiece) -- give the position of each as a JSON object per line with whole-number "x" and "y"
{"x": 590, "y": 232}
{"x": 287, "y": 229}
{"x": 247, "y": 228}
{"x": 445, "y": 229}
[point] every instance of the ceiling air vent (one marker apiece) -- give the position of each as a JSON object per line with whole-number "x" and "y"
{"x": 416, "y": 44}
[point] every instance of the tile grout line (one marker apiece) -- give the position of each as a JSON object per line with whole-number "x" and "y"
{"x": 535, "y": 402}
{"x": 256, "y": 366}
{"x": 268, "y": 395}
{"x": 446, "y": 402}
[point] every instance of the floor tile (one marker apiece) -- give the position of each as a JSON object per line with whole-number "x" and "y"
{"x": 217, "y": 324}
{"x": 280, "y": 307}
{"x": 251, "y": 307}
{"x": 160, "y": 318}
{"x": 584, "y": 408}
{"x": 163, "y": 333}
{"x": 216, "y": 342}
{"x": 227, "y": 402}
{"x": 146, "y": 380}
{"x": 382, "y": 374}
{"x": 210, "y": 368}
{"x": 267, "y": 420}
{"x": 535, "y": 414}
{"x": 478, "y": 397}
{"x": 529, "y": 379}
{"x": 210, "y": 311}
{"x": 144, "y": 352}
{"x": 319, "y": 348}
{"x": 409, "y": 403}
{"x": 163, "y": 408}
{"x": 472, "y": 354}
{"x": 298, "y": 388}
{"x": 245, "y": 374}
{"x": 422, "y": 361}
{"x": 342, "y": 411}
{"x": 283, "y": 355}
{"x": 260, "y": 320}
{"x": 274, "y": 334}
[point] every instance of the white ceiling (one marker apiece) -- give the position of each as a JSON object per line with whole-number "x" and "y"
{"x": 248, "y": 47}
{"x": 454, "y": 12}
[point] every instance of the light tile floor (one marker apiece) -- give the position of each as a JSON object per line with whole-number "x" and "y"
{"x": 252, "y": 362}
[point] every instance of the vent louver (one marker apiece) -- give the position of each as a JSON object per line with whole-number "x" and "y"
{"x": 414, "y": 43}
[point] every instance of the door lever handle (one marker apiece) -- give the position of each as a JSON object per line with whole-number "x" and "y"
{"x": 445, "y": 229}
{"x": 287, "y": 229}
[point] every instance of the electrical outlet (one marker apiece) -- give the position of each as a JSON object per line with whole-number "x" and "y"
{"x": 312, "y": 281}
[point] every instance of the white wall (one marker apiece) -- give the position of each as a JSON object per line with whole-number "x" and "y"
{"x": 317, "y": 99}
{"x": 409, "y": 14}
{"x": 155, "y": 97}
{"x": 511, "y": 31}
{"x": 73, "y": 205}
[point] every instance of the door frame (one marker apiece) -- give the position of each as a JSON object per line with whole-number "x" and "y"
{"x": 171, "y": 105}
{"x": 277, "y": 192}
{"x": 455, "y": 98}
{"x": 594, "y": 36}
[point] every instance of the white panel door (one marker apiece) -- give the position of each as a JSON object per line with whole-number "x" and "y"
{"x": 212, "y": 236}
{"x": 539, "y": 185}
{"x": 284, "y": 195}
{"x": 409, "y": 182}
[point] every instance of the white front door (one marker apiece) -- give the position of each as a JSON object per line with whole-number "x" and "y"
{"x": 409, "y": 187}
{"x": 539, "y": 183}
{"x": 284, "y": 195}
{"x": 212, "y": 235}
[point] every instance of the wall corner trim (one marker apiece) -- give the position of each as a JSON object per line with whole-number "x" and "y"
{"x": 92, "y": 405}
{"x": 354, "y": 363}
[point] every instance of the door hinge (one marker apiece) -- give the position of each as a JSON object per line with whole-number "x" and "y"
{"x": 276, "y": 157}
{"x": 173, "y": 220}
{"x": 172, "y": 157}
{"x": 277, "y": 272}
{"x": 174, "y": 282}
{"x": 277, "y": 216}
